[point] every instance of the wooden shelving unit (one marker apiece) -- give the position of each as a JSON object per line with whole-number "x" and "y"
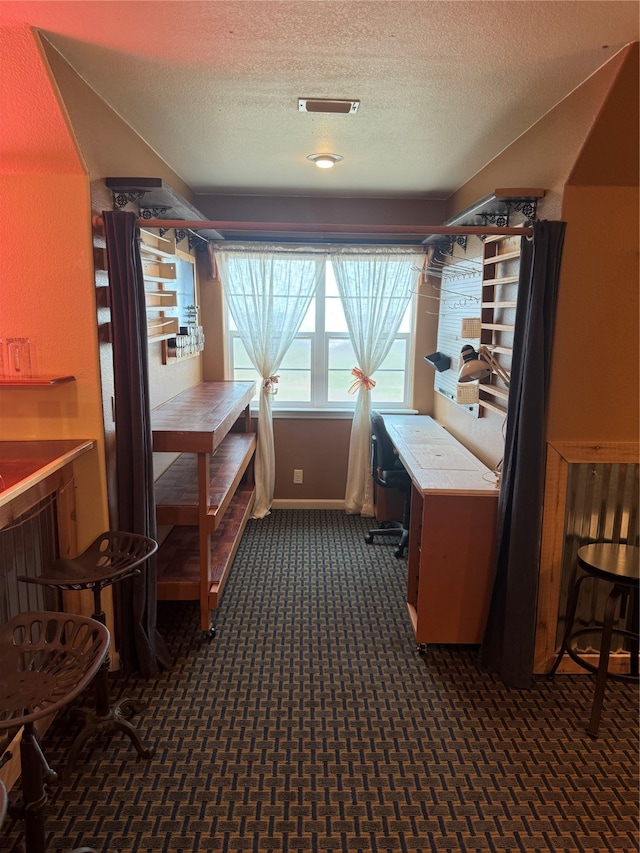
{"x": 500, "y": 275}
{"x": 207, "y": 494}
{"x": 157, "y": 253}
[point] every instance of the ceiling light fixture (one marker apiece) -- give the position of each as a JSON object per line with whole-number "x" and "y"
{"x": 324, "y": 161}
{"x": 336, "y": 106}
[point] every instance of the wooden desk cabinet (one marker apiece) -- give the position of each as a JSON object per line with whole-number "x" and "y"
{"x": 207, "y": 494}
{"x": 452, "y": 532}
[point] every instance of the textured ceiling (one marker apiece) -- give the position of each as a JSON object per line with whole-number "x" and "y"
{"x": 443, "y": 86}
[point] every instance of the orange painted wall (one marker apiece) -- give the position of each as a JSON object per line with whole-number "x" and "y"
{"x": 46, "y": 288}
{"x": 597, "y": 320}
{"x": 598, "y": 300}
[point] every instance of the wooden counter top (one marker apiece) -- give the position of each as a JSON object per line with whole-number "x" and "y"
{"x": 25, "y": 463}
{"x": 196, "y": 420}
{"x": 436, "y": 461}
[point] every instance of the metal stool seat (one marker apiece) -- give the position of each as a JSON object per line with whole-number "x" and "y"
{"x": 48, "y": 659}
{"x": 113, "y": 556}
{"x": 618, "y": 565}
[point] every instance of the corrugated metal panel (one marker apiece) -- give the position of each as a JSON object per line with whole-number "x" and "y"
{"x": 27, "y": 546}
{"x": 602, "y": 506}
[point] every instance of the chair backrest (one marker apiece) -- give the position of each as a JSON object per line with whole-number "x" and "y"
{"x": 383, "y": 456}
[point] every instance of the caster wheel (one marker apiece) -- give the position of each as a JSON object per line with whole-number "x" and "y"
{"x": 368, "y": 538}
{"x": 210, "y": 634}
{"x": 399, "y": 553}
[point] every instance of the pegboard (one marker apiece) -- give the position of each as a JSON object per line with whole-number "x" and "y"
{"x": 459, "y": 324}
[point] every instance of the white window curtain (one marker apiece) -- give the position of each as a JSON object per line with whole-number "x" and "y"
{"x": 375, "y": 287}
{"x": 268, "y": 291}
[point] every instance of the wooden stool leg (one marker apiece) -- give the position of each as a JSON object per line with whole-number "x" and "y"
{"x": 603, "y": 665}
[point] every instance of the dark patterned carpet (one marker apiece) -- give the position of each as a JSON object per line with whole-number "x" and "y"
{"x": 310, "y": 723}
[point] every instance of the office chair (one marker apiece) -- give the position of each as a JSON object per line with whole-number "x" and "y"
{"x": 389, "y": 473}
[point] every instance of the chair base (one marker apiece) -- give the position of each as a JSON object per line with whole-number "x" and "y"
{"x": 393, "y": 529}
{"x": 115, "y": 720}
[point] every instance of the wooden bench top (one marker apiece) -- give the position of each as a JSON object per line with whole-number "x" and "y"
{"x": 196, "y": 420}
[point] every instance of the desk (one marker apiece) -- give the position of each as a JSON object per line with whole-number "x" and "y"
{"x": 454, "y": 501}
{"x": 207, "y": 493}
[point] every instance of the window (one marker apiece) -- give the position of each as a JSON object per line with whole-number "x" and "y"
{"x": 316, "y": 371}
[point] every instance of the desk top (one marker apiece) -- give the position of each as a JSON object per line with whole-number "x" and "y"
{"x": 23, "y": 464}
{"x": 197, "y": 420}
{"x": 435, "y": 460}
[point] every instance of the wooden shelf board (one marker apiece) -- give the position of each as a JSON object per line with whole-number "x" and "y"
{"x": 507, "y": 279}
{"x": 163, "y": 279}
{"x": 159, "y": 300}
{"x": 486, "y": 404}
{"x": 35, "y": 381}
{"x": 179, "y": 554}
{"x": 493, "y": 390}
{"x": 161, "y": 328}
{"x": 507, "y": 304}
{"x": 147, "y": 251}
{"x": 499, "y": 327}
{"x": 177, "y": 488}
{"x": 147, "y": 232}
{"x": 505, "y": 256}
{"x": 172, "y": 359}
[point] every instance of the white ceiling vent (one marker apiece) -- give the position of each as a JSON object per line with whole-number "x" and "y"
{"x": 327, "y": 105}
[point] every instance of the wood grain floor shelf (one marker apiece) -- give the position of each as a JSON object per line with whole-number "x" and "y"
{"x": 207, "y": 493}
{"x": 179, "y": 557}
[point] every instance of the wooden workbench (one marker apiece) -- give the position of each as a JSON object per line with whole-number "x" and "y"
{"x": 207, "y": 494}
{"x": 451, "y": 535}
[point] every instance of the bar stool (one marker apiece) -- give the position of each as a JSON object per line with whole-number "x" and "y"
{"x": 113, "y": 556}
{"x": 48, "y": 659}
{"x": 618, "y": 566}
{"x": 4, "y": 800}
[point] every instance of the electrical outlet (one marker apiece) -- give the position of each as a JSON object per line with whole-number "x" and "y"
{"x": 297, "y": 475}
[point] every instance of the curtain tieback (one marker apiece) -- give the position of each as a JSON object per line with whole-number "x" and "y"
{"x": 360, "y": 381}
{"x": 268, "y": 384}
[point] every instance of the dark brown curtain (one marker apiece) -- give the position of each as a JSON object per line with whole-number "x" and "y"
{"x": 508, "y": 644}
{"x": 141, "y": 647}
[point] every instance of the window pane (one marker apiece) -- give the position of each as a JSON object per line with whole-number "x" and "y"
{"x": 396, "y": 357}
{"x": 341, "y": 354}
{"x": 243, "y": 375}
{"x": 323, "y": 344}
{"x": 298, "y": 356}
{"x": 339, "y": 383}
{"x": 240, "y": 356}
{"x": 406, "y": 324}
{"x": 335, "y": 321}
{"x": 389, "y": 387}
{"x": 309, "y": 322}
{"x": 294, "y": 386}
{"x": 331, "y": 287}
